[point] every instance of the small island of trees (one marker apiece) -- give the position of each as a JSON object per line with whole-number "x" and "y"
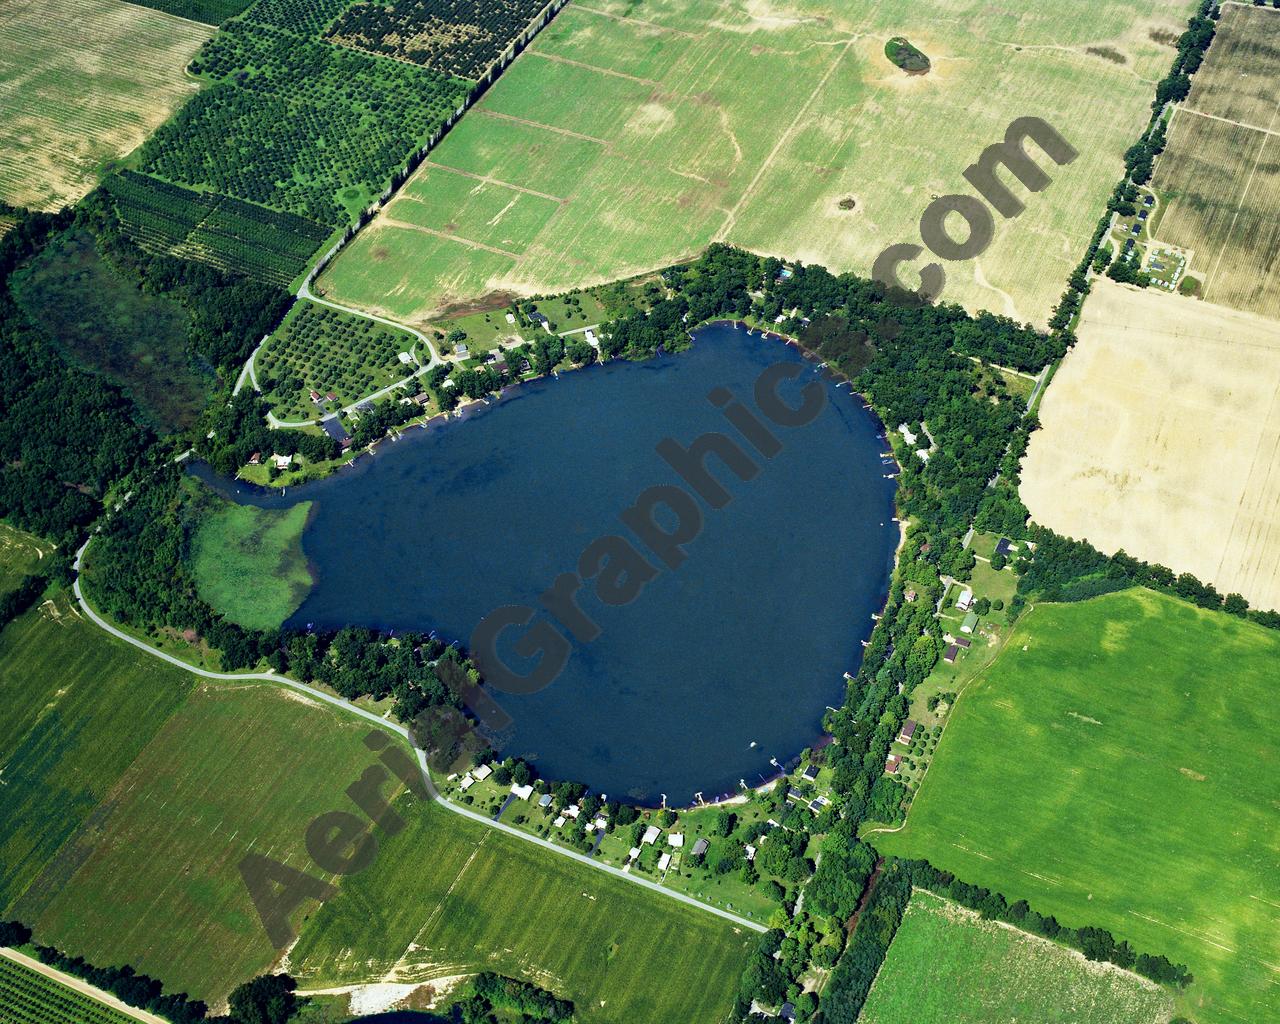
{"x": 906, "y": 56}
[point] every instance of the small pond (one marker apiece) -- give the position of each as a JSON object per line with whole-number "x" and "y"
{"x": 718, "y": 666}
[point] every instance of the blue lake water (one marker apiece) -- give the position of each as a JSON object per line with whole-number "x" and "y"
{"x": 718, "y": 665}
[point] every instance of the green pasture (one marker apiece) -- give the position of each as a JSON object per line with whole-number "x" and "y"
{"x": 20, "y": 553}
{"x": 449, "y": 897}
{"x": 249, "y": 565}
{"x": 1116, "y": 767}
{"x": 754, "y": 125}
{"x": 948, "y": 966}
{"x": 482, "y": 212}
{"x": 156, "y": 883}
{"x": 79, "y": 706}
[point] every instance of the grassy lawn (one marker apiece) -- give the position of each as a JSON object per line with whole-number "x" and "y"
{"x": 83, "y": 83}
{"x": 645, "y": 136}
{"x": 948, "y": 966}
{"x": 20, "y": 553}
{"x": 248, "y": 562}
{"x": 79, "y": 706}
{"x": 156, "y": 882}
{"x": 450, "y": 897}
{"x": 1115, "y": 768}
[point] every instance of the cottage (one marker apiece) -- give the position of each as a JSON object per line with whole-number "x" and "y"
{"x": 751, "y": 852}
{"x": 1002, "y": 546}
{"x": 255, "y": 459}
{"x": 462, "y": 351}
{"x": 544, "y": 800}
{"x": 500, "y": 366}
{"x": 811, "y": 772}
{"x": 315, "y": 396}
{"x": 592, "y": 340}
{"x": 700, "y": 847}
{"x": 482, "y": 773}
{"x": 404, "y": 357}
{"x": 950, "y": 654}
{"x": 970, "y": 623}
{"x": 601, "y": 824}
{"x": 892, "y": 765}
{"x": 573, "y": 811}
{"x": 541, "y": 320}
{"x": 633, "y": 853}
{"x": 466, "y": 783}
{"x": 664, "y": 862}
{"x": 908, "y": 731}
{"x": 559, "y": 822}
{"x": 815, "y": 805}
{"x": 282, "y": 462}
{"x": 676, "y": 840}
{"x": 332, "y": 396}
{"x": 521, "y": 792}
{"x": 422, "y": 399}
{"x": 651, "y": 835}
{"x": 964, "y": 600}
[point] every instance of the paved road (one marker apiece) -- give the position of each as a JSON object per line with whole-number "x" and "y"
{"x": 338, "y": 702}
{"x": 72, "y": 982}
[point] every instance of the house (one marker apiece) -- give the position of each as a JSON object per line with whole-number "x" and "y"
{"x": 1149, "y": 201}
{"x": 482, "y": 773}
{"x": 539, "y": 318}
{"x": 964, "y": 600}
{"x": 601, "y": 824}
{"x": 332, "y": 426}
{"x": 1143, "y": 214}
{"x": 651, "y": 835}
{"x": 1002, "y": 546}
{"x": 315, "y": 396}
{"x": 892, "y": 765}
{"x": 815, "y": 805}
{"x": 910, "y": 594}
{"x": 332, "y": 396}
{"x": 700, "y": 847}
{"x": 544, "y": 800}
{"x": 572, "y": 811}
{"x": 255, "y": 459}
{"x": 422, "y": 399}
{"x": 963, "y": 643}
{"x": 811, "y": 773}
{"x": 787, "y": 1011}
{"x": 462, "y": 351}
{"x": 907, "y": 732}
{"x": 559, "y": 822}
{"x": 751, "y": 852}
{"x": 466, "y": 783}
{"x": 405, "y": 358}
{"x": 772, "y": 824}
{"x": 521, "y": 792}
{"x": 676, "y": 840}
{"x": 511, "y": 318}
{"x": 282, "y": 462}
{"x": 664, "y": 862}
{"x": 950, "y": 654}
{"x": 633, "y": 853}
{"x": 592, "y": 340}
{"x": 970, "y": 623}
{"x": 500, "y": 365}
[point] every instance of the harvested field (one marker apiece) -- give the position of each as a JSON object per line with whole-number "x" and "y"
{"x": 82, "y": 83}
{"x": 1220, "y": 174}
{"x": 654, "y": 130}
{"x": 1161, "y": 436}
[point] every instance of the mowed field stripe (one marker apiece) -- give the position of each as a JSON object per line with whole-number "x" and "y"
{"x": 391, "y": 222}
{"x": 593, "y": 67}
{"x": 638, "y": 21}
{"x": 490, "y": 180}
{"x": 545, "y": 127}
{"x": 1227, "y": 120}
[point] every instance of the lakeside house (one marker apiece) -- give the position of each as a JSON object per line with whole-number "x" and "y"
{"x": 676, "y": 840}
{"x": 544, "y": 800}
{"x": 811, "y": 772}
{"x": 964, "y": 600}
{"x": 255, "y": 459}
{"x": 592, "y": 340}
{"x": 522, "y": 792}
{"x": 664, "y": 862}
{"x": 482, "y": 773}
{"x": 700, "y": 847}
{"x": 651, "y": 835}
{"x": 466, "y": 783}
{"x": 572, "y": 811}
{"x": 282, "y": 462}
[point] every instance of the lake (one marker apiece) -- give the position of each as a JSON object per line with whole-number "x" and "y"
{"x": 717, "y": 666}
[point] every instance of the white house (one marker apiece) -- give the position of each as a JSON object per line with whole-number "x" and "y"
{"x": 572, "y": 811}
{"x": 511, "y": 318}
{"x": 591, "y": 338}
{"x": 522, "y": 792}
{"x": 651, "y": 835}
{"x": 676, "y": 839}
{"x": 664, "y": 862}
{"x": 559, "y": 822}
{"x": 482, "y": 773}
{"x": 600, "y": 823}
{"x": 633, "y": 853}
{"x": 466, "y": 783}
{"x": 751, "y": 852}
{"x": 282, "y": 461}
{"x": 964, "y": 600}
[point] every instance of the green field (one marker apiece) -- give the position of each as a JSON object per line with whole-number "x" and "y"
{"x": 20, "y": 553}
{"x": 948, "y": 966}
{"x": 1116, "y": 766}
{"x": 248, "y": 563}
{"x": 450, "y": 897}
{"x": 28, "y": 997}
{"x": 79, "y": 707}
{"x": 107, "y": 324}
{"x": 659, "y": 128}
{"x": 82, "y": 83}
{"x": 235, "y": 769}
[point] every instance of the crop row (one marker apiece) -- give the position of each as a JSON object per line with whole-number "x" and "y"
{"x": 29, "y": 998}
{"x": 295, "y": 123}
{"x": 455, "y": 37}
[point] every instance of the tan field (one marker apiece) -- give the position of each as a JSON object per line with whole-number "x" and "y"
{"x": 1161, "y": 436}
{"x": 83, "y": 82}
{"x": 1220, "y": 175}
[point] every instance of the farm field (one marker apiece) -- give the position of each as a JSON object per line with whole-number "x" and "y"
{"x": 236, "y": 769}
{"x": 20, "y": 553}
{"x": 80, "y": 707}
{"x": 1220, "y": 173}
{"x": 248, "y": 562}
{"x": 103, "y": 322}
{"x": 82, "y": 83}
{"x": 28, "y": 997}
{"x": 678, "y": 145}
{"x": 448, "y": 896}
{"x": 1161, "y": 436}
{"x": 327, "y": 351}
{"x": 948, "y": 966}
{"x": 1123, "y": 731}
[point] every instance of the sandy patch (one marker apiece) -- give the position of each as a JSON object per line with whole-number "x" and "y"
{"x": 1161, "y": 436}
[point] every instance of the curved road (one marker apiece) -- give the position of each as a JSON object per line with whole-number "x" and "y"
{"x": 338, "y": 702}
